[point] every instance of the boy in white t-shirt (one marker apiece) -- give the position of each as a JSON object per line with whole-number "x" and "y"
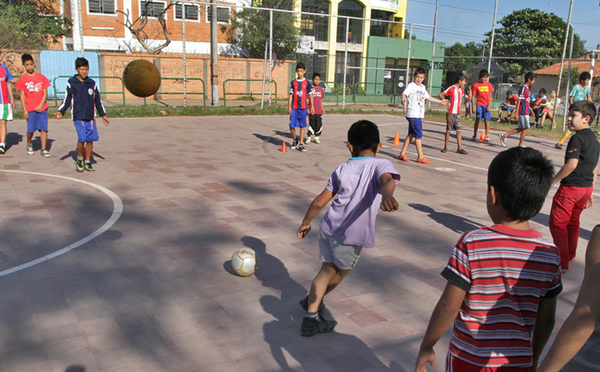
{"x": 455, "y": 92}
{"x": 416, "y": 94}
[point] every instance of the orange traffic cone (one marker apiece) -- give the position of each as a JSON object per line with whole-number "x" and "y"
{"x": 283, "y": 147}
{"x": 396, "y": 140}
{"x": 482, "y": 137}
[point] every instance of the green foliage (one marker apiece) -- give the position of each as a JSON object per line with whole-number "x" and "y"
{"x": 30, "y": 25}
{"x": 574, "y": 80}
{"x": 249, "y": 30}
{"x": 339, "y": 89}
{"x": 531, "y": 33}
{"x": 469, "y": 49}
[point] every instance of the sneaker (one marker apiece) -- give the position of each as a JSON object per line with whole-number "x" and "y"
{"x": 311, "y": 327}
{"x": 307, "y": 141}
{"x": 424, "y": 160}
{"x": 403, "y": 157}
{"x": 79, "y": 166}
{"x": 462, "y": 151}
{"x": 444, "y": 150}
{"x": 304, "y": 305}
{"x": 45, "y": 153}
{"x": 2, "y": 149}
{"x": 301, "y": 148}
{"x": 29, "y": 149}
{"x": 317, "y": 140}
{"x": 502, "y": 140}
{"x": 558, "y": 146}
{"x": 88, "y": 167}
{"x": 294, "y": 144}
{"x": 487, "y": 139}
{"x": 474, "y": 139}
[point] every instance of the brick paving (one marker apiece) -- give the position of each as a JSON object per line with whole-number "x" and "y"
{"x": 156, "y": 293}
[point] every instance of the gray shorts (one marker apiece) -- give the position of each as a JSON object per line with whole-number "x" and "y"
{"x": 523, "y": 122}
{"x": 341, "y": 255}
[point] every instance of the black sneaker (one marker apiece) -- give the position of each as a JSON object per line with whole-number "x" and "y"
{"x": 304, "y": 305}
{"x": 301, "y": 148}
{"x": 79, "y": 166}
{"x": 311, "y": 327}
{"x": 294, "y": 144}
{"x": 88, "y": 167}
{"x": 444, "y": 150}
{"x": 558, "y": 146}
{"x": 2, "y": 149}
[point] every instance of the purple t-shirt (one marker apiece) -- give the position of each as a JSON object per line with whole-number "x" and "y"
{"x": 351, "y": 217}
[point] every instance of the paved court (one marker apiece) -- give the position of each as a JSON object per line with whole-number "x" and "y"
{"x": 154, "y": 291}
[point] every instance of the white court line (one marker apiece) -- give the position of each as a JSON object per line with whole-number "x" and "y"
{"x": 117, "y": 211}
{"x": 455, "y": 162}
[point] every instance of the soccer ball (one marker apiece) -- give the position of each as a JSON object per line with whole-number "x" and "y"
{"x": 141, "y": 78}
{"x": 244, "y": 262}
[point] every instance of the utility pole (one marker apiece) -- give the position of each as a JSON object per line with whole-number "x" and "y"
{"x": 492, "y": 41}
{"x": 214, "y": 56}
{"x": 562, "y": 62}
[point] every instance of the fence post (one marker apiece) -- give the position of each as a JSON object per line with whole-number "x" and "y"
{"x": 270, "y": 52}
{"x": 569, "y": 76}
{"x": 408, "y": 60}
{"x": 437, "y": 4}
{"x": 80, "y": 20}
{"x": 262, "y": 96}
{"x": 562, "y": 62}
{"x": 183, "y": 14}
{"x": 345, "y": 62}
{"x": 492, "y": 41}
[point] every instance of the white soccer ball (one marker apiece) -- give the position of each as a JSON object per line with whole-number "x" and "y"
{"x": 244, "y": 262}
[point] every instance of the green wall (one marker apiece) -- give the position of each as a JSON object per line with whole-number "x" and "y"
{"x": 383, "y": 47}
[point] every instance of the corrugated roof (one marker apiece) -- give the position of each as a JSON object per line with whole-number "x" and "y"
{"x": 581, "y": 65}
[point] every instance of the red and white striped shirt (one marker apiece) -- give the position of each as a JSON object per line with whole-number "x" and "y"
{"x": 455, "y": 94}
{"x": 505, "y": 272}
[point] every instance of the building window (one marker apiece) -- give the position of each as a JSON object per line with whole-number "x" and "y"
{"x": 314, "y": 25}
{"x": 191, "y": 12}
{"x": 155, "y": 8}
{"x": 222, "y": 14}
{"x": 379, "y": 28}
{"x": 101, "y": 6}
{"x": 351, "y": 8}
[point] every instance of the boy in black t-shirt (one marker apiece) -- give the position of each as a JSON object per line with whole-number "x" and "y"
{"x": 577, "y": 179}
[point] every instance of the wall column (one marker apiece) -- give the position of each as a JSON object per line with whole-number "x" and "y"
{"x": 332, "y": 37}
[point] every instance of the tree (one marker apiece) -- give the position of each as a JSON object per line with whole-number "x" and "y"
{"x": 249, "y": 30}
{"x": 532, "y": 33}
{"x": 139, "y": 24}
{"x": 30, "y": 24}
{"x": 469, "y": 49}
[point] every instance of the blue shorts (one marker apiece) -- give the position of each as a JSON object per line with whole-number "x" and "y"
{"x": 507, "y": 108}
{"x": 37, "y": 121}
{"x": 415, "y": 127}
{"x": 298, "y": 118}
{"x": 87, "y": 131}
{"x": 483, "y": 113}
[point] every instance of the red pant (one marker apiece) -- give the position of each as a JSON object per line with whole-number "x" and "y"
{"x": 453, "y": 364}
{"x": 567, "y": 205}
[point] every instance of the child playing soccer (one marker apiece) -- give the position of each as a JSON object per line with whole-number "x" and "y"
{"x": 509, "y": 106}
{"x": 315, "y": 120}
{"x": 577, "y": 179}
{"x": 6, "y": 104}
{"x": 503, "y": 280}
{"x": 34, "y": 91}
{"x": 301, "y": 90}
{"x": 416, "y": 94}
{"x": 524, "y": 110}
{"x": 84, "y": 93}
{"x": 455, "y": 92}
{"x": 482, "y": 92}
{"x": 580, "y": 92}
{"x": 362, "y": 185}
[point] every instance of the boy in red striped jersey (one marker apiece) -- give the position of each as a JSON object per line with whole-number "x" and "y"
{"x": 299, "y": 104}
{"x": 503, "y": 280}
{"x": 455, "y": 92}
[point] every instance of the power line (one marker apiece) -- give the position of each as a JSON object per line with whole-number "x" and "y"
{"x": 458, "y": 7}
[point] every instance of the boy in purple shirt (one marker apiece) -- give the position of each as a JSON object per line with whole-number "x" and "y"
{"x": 362, "y": 185}
{"x": 315, "y": 120}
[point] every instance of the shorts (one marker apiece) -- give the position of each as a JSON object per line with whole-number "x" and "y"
{"x": 87, "y": 131}
{"x": 6, "y": 112}
{"x": 523, "y": 122}
{"x": 452, "y": 123}
{"x": 454, "y": 364}
{"x": 37, "y": 121}
{"x": 483, "y": 113}
{"x": 507, "y": 108}
{"x": 298, "y": 118}
{"x": 343, "y": 256}
{"x": 415, "y": 127}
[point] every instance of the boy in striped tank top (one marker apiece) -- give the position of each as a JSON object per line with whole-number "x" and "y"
{"x": 503, "y": 280}
{"x": 455, "y": 94}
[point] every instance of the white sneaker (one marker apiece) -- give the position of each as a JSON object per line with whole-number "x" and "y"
{"x": 45, "y": 153}
{"x": 29, "y": 149}
{"x": 307, "y": 141}
{"x": 502, "y": 139}
{"x": 317, "y": 140}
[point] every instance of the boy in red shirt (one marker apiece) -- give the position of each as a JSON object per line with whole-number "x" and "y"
{"x": 482, "y": 91}
{"x": 315, "y": 120}
{"x": 455, "y": 92}
{"x": 34, "y": 91}
{"x": 509, "y": 105}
